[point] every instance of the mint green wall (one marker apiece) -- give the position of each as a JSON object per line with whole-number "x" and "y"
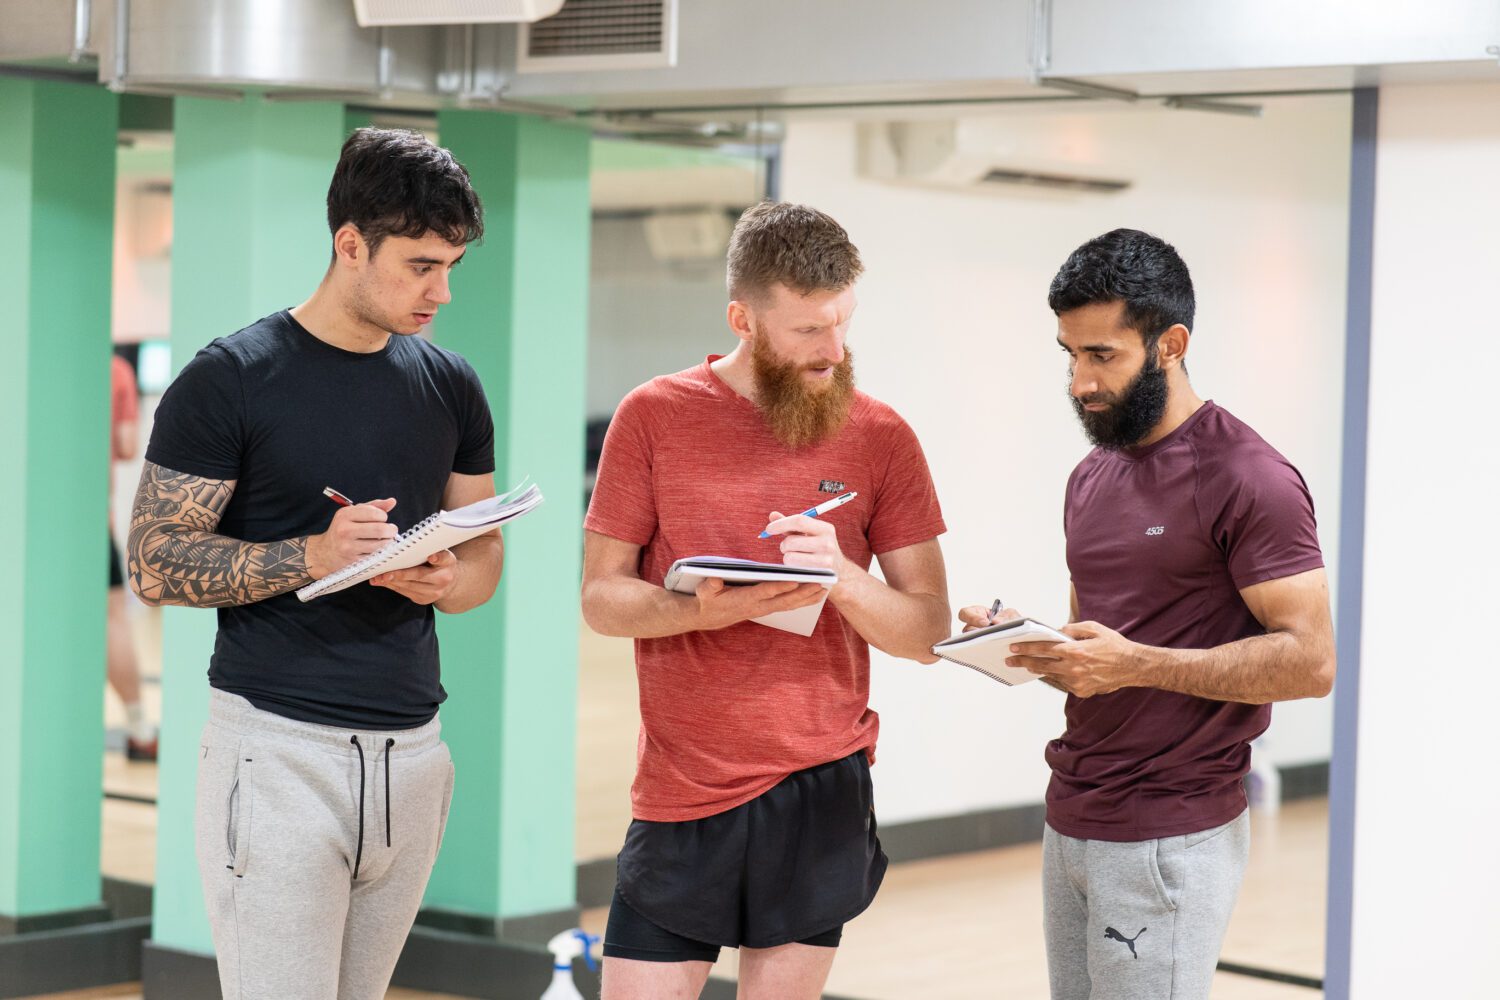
{"x": 57, "y": 192}
{"x": 250, "y": 179}
{"x": 519, "y": 314}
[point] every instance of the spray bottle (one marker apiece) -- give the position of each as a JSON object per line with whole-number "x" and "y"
{"x": 1264, "y": 780}
{"x": 565, "y": 947}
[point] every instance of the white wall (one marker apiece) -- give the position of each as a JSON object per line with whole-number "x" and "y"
{"x": 646, "y": 317}
{"x": 1425, "y": 863}
{"x": 954, "y": 331}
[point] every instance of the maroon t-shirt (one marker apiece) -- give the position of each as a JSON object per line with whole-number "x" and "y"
{"x": 1161, "y": 540}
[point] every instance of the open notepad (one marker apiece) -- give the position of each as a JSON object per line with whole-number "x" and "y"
{"x": 442, "y": 530}
{"x": 686, "y": 574}
{"x": 985, "y": 649}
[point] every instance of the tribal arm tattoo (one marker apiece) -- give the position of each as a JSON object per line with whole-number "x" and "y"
{"x": 176, "y": 557}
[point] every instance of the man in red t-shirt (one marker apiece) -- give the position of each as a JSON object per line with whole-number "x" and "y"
{"x": 753, "y": 818}
{"x": 1198, "y": 598}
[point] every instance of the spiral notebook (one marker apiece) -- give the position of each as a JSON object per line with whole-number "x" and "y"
{"x": 686, "y": 574}
{"x": 986, "y": 649}
{"x": 442, "y": 530}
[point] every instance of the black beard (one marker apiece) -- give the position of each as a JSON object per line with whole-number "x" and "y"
{"x": 1132, "y": 414}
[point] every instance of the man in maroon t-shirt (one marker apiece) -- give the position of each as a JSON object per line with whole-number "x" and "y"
{"x": 1198, "y": 598}
{"x": 754, "y": 822}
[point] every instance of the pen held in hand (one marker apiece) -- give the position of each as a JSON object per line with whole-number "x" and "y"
{"x": 822, "y": 508}
{"x": 337, "y": 497}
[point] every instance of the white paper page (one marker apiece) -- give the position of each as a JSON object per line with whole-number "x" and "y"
{"x": 986, "y": 650}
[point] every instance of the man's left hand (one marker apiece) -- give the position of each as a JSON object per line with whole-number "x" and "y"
{"x": 425, "y": 584}
{"x": 809, "y": 541}
{"x": 1100, "y": 661}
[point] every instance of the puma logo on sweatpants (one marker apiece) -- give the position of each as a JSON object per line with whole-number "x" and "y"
{"x": 1114, "y": 935}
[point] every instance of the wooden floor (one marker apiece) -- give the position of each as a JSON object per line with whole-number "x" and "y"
{"x": 970, "y": 925}
{"x": 609, "y": 718}
{"x": 960, "y": 927}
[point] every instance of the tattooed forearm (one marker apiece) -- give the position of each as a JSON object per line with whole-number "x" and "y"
{"x": 176, "y": 557}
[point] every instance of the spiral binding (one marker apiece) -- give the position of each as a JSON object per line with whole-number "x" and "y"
{"x": 397, "y": 545}
{"x": 411, "y": 536}
{"x": 978, "y": 669}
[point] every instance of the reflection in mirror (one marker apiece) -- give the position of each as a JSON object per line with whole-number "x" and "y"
{"x": 955, "y": 333}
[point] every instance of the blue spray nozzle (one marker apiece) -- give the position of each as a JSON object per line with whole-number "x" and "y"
{"x": 588, "y": 941}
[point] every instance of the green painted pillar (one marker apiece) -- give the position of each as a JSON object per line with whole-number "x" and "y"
{"x": 57, "y": 197}
{"x": 249, "y": 188}
{"x": 520, "y": 315}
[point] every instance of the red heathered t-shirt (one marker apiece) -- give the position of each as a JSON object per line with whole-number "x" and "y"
{"x": 690, "y": 468}
{"x": 1160, "y": 542}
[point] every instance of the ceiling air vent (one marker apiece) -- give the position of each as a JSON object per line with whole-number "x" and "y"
{"x": 1056, "y": 182}
{"x": 392, "y": 13}
{"x": 600, "y": 35}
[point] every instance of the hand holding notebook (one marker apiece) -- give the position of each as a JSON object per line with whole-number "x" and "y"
{"x": 986, "y": 649}
{"x": 442, "y": 530}
{"x": 686, "y": 574}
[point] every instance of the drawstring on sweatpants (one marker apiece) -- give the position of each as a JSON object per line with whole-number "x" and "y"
{"x": 360, "y": 849}
{"x": 388, "y": 744}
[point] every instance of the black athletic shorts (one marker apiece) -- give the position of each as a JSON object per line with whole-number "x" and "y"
{"x": 792, "y": 865}
{"x": 116, "y": 578}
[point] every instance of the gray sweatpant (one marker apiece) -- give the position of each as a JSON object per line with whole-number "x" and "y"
{"x": 280, "y": 834}
{"x": 1140, "y": 920}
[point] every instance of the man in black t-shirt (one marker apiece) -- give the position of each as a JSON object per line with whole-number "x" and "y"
{"x": 323, "y": 786}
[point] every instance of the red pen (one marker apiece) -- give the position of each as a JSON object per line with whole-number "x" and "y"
{"x": 337, "y": 497}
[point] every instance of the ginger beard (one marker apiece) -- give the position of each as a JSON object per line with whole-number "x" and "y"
{"x": 800, "y": 412}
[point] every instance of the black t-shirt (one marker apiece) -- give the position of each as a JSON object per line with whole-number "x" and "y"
{"x": 285, "y": 414}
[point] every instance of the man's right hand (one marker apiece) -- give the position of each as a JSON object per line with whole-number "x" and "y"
{"x": 355, "y": 532}
{"x": 978, "y": 616}
{"x": 720, "y": 606}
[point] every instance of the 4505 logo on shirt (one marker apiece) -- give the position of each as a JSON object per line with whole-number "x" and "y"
{"x": 1160, "y": 529}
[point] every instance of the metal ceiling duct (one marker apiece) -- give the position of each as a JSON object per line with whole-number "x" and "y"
{"x": 739, "y": 58}
{"x": 302, "y": 45}
{"x": 40, "y": 29}
{"x": 373, "y": 13}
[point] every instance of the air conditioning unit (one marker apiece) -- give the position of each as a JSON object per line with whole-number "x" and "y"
{"x": 397, "y": 13}
{"x": 962, "y": 154}
{"x": 688, "y": 236}
{"x": 600, "y": 35}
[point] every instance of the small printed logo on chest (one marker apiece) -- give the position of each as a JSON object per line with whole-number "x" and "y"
{"x": 1160, "y": 529}
{"x": 830, "y": 486}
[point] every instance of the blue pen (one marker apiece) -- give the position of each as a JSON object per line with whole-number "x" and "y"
{"x": 822, "y": 508}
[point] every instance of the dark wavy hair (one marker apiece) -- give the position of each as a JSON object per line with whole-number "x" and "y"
{"x": 1127, "y": 265}
{"x": 395, "y": 182}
